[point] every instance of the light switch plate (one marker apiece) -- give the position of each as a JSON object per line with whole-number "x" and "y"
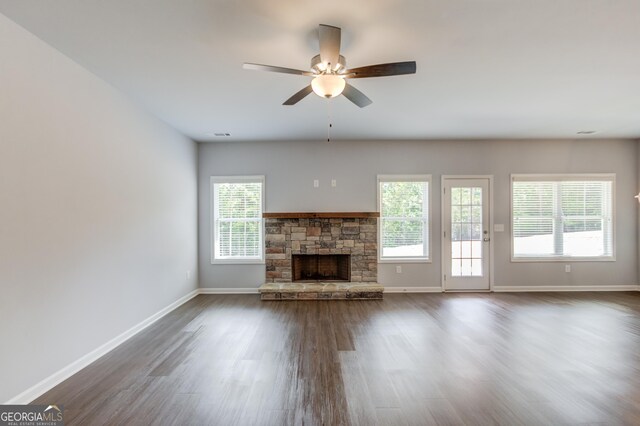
{"x": 316, "y": 183}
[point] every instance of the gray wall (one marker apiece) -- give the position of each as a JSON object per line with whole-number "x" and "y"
{"x": 98, "y": 209}
{"x": 290, "y": 168}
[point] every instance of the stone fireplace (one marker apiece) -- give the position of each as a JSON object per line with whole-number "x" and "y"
{"x": 296, "y": 240}
{"x": 321, "y": 256}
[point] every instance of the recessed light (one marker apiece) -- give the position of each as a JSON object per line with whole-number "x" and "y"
{"x": 586, "y": 132}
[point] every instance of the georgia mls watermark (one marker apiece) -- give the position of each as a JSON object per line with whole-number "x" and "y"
{"x": 31, "y": 415}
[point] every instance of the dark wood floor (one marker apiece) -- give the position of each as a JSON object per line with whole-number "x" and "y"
{"x": 456, "y": 359}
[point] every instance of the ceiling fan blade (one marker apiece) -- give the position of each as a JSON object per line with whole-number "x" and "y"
{"x": 356, "y": 96}
{"x": 298, "y": 96}
{"x": 329, "y": 44}
{"x": 260, "y": 67}
{"x": 383, "y": 70}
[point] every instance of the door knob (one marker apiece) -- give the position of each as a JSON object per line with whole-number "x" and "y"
{"x": 486, "y": 239}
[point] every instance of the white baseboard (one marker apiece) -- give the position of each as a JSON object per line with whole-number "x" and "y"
{"x": 497, "y": 289}
{"x": 556, "y": 288}
{"x": 517, "y": 289}
{"x": 61, "y": 375}
{"x": 210, "y": 290}
{"x": 413, "y": 289}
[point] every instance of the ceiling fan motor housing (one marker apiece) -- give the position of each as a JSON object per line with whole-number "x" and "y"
{"x": 318, "y": 67}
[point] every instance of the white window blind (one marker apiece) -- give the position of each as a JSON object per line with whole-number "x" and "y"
{"x": 237, "y": 219}
{"x": 404, "y": 217}
{"x": 562, "y": 216}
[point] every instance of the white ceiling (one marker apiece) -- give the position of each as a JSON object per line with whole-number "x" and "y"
{"x": 486, "y": 68}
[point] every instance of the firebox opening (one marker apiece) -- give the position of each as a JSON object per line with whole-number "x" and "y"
{"x": 321, "y": 267}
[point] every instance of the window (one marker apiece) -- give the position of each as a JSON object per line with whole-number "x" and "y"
{"x": 237, "y": 219}
{"x": 404, "y": 217}
{"x": 562, "y": 217}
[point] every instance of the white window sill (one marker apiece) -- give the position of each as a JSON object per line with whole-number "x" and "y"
{"x": 562, "y": 259}
{"x": 405, "y": 260}
{"x": 237, "y": 261}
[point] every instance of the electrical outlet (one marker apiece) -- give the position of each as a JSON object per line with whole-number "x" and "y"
{"x": 188, "y": 274}
{"x": 567, "y": 268}
{"x": 398, "y": 269}
{"x": 316, "y": 183}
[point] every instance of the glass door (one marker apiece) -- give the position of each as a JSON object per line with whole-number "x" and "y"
{"x": 466, "y": 236}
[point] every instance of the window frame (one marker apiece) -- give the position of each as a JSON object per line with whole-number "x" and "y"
{"x": 236, "y": 179}
{"x": 558, "y": 177}
{"x": 407, "y": 178}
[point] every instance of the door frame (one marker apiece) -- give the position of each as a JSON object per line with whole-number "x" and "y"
{"x": 443, "y": 266}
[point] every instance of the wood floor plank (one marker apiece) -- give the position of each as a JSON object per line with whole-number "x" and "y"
{"x": 360, "y": 405}
{"x": 419, "y": 359}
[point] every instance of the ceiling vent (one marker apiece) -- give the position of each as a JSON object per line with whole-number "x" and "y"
{"x": 222, "y": 134}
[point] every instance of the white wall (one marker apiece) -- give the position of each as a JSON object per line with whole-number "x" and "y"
{"x": 97, "y": 212}
{"x": 290, "y": 168}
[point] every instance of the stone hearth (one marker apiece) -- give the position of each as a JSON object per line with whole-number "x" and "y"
{"x": 320, "y": 291}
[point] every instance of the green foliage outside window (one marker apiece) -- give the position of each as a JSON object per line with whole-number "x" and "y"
{"x": 403, "y": 216}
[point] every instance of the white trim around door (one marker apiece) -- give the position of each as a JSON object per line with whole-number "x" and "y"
{"x": 488, "y": 207}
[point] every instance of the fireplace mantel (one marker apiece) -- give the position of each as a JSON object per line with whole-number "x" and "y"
{"x": 322, "y": 215}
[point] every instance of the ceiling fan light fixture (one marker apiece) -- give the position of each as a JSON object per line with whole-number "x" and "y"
{"x": 328, "y": 85}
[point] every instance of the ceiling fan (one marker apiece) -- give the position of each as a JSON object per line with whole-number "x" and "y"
{"x": 329, "y": 71}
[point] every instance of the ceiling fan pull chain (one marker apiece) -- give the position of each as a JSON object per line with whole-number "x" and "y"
{"x": 329, "y": 121}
